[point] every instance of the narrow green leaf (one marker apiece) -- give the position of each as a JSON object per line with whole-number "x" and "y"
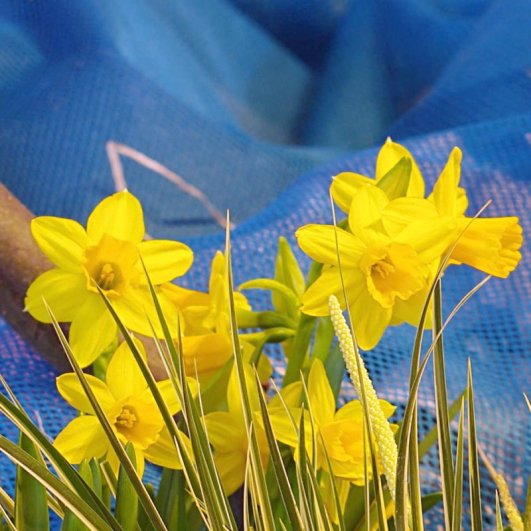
{"x": 431, "y": 500}
{"x": 401, "y": 509}
{"x": 71, "y": 522}
{"x": 303, "y": 335}
{"x": 5, "y": 520}
{"x": 63, "y": 493}
{"x": 527, "y": 511}
{"x": 7, "y": 503}
{"x": 476, "y": 517}
{"x": 281, "y": 476}
{"x": 288, "y": 272}
{"x": 335, "y": 369}
{"x": 126, "y": 511}
{"x": 256, "y": 461}
{"x": 274, "y": 286}
{"x": 65, "y": 471}
{"x": 31, "y": 507}
{"x": 441, "y": 402}
{"x": 457, "y": 498}
{"x": 499, "y": 522}
{"x": 396, "y": 181}
{"x": 144, "y": 523}
{"x": 324, "y": 337}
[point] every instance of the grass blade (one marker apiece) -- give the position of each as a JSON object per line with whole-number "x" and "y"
{"x": 446, "y": 464}
{"x": 65, "y": 471}
{"x": 281, "y": 475}
{"x": 126, "y": 511}
{"x": 54, "y": 485}
{"x": 257, "y": 470}
{"x": 31, "y": 507}
{"x": 476, "y": 517}
{"x": 457, "y": 498}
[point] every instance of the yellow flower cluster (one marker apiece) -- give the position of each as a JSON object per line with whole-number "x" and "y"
{"x": 395, "y": 239}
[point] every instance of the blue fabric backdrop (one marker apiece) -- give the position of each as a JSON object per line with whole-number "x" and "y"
{"x": 258, "y": 103}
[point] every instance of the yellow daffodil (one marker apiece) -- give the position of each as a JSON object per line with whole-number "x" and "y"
{"x": 207, "y": 343}
{"x": 491, "y": 245}
{"x": 105, "y": 255}
{"x": 131, "y": 410}
{"x": 345, "y": 185}
{"x": 385, "y": 258}
{"x": 228, "y": 434}
{"x": 339, "y": 433}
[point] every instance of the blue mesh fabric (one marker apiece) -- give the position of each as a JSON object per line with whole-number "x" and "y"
{"x": 258, "y": 104}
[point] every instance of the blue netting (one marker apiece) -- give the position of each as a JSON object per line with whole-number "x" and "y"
{"x": 246, "y": 99}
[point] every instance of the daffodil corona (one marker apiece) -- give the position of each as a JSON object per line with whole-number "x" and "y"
{"x": 106, "y": 257}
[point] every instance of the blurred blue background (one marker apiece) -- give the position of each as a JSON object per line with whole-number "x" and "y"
{"x": 257, "y": 103}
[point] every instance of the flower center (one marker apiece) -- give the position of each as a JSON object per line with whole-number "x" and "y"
{"x": 392, "y": 270}
{"x": 111, "y": 265}
{"x": 107, "y": 277}
{"x": 126, "y": 419}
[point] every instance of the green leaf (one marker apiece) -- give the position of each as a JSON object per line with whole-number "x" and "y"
{"x": 281, "y": 476}
{"x": 476, "y": 517}
{"x": 441, "y": 402}
{"x": 396, "y": 181}
{"x": 64, "y": 470}
{"x": 71, "y": 522}
{"x": 31, "y": 507}
{"x": 527, "y": 512}
{"x": 303, "y": 335}
{"x": 54, "y": 485}
{"x": 499, "y": 522}
{"x": 287, "y": 269}
{"x": 431, "y": 500}
{"x": 257, "y": 472}
{"x": 126, "y": 511}
{"x": 275, "y": 287}
{"x": 457, "y": 498}
{"x": 335, "y": 369}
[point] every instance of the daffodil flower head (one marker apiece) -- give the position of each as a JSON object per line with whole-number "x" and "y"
{"x": 338, "y": 433}
{"x": 386, "y": 258}
{"x": 347, "y": 184}
{"x": 206, "y": 339}
{"x": 129, "y": 407}
{"x": 491, "y": 245}
{"x": 106, "y": 257}
{"x": 227, "y": 432}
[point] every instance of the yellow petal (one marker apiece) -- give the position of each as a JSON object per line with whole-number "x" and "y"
{"x": 165, "y": 260}
{"x": 429, "y": 238}
{"x": 410, "y": 310}
{"x": 234, "y": 400}
{"x": 291, "y": 395}
{"x": 322, "y": 401}
{"x": 70, "y": 389}
{"x": 231, "y": 468}
{"x": 226, "y": 431}
{"x": 183, "y": 297}
{"x": 63, "y": 241}
{"x": 399, "y": 213}
{"x": 283, "y": 427}
{"x": 315, "y": 299}
{"x": 124, "y": 377}
{"x": 345, "y": 186}
{"x": 82, "y": 438}
{"x": 164, "y": 452}
{"x": 365, "y": 215}
{"x": 206, "y": 352}
{"x": 169, "y": 395}
{"x": 136, "y": 309}
{"x": 446, "y": 195}
{"x": 369, "y": 319}
{"x": 119, "y": 215}
{"x": 92, "y": 331}
{"x": 389, "y": 155}
{"x": 319, "y": 243}
{"x": 63, "y": 291}
{"x": 491, "y": 245}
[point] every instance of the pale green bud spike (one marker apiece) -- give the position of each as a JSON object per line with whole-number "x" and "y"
{"x": 383, "y": 435}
